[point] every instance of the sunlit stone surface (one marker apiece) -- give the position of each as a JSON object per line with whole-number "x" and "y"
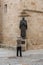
{"x": 10, "y": 22}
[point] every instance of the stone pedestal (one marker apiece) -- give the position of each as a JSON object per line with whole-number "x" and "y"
{"x": 24, "y": 46}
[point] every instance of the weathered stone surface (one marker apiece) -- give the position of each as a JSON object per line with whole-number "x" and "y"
{"x": 0, "y": 23}
{"x": 11, "y": 21}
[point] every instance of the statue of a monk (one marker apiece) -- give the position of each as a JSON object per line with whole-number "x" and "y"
{"x": 23, "y": 27}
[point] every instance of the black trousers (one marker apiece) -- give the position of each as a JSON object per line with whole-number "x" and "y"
{"x": 19, "y": 51}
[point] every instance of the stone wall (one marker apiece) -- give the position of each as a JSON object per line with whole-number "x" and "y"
{"x": 11, "y": 21}
{"x": 0, "y": 23}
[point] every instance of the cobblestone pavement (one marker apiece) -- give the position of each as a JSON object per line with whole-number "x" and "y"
{"x": 31, "y": 57}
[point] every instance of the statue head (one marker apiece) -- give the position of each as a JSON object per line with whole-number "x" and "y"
{"x": 23, "y": 18}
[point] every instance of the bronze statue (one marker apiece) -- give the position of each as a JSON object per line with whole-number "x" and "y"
{"x": 23, "y": 27}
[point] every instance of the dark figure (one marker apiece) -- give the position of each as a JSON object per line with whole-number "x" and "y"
{"x": 23, "y": 27}
{"x": 19, "y": 48}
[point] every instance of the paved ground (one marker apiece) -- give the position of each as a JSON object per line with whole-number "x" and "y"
{"x": 31, "y": 57}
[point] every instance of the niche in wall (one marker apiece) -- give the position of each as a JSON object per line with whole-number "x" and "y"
{"x": 5, "y": 8}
